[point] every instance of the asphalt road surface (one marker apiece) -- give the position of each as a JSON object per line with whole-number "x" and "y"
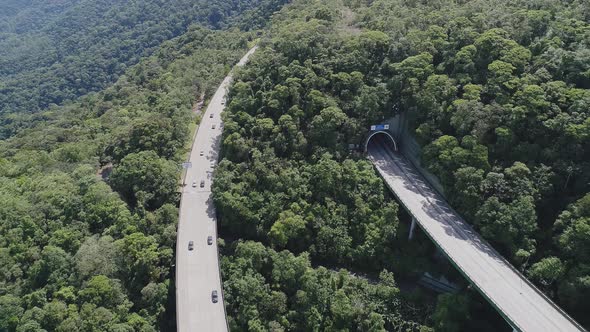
{"x": 197, "y": 270}
{"x": 518, "y": 301}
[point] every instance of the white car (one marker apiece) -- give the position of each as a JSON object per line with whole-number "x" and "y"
{"x": 194, "y": 184}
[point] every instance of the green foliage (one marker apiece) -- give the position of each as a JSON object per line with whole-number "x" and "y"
{"x": 88, "y": 195}
{"x": 288, "y": 226}
{"x": 496, "y": 93}
{"x": 287, "y": 179}
{"x": 279, "y": 291}
{"x": 144, "y": 178}
{"x": 509, "y": 225}
{"x": 547, "y": 270}
{"x": 452, "y": 311}
{"x": 102, "y": 292}
{"x": 571, "y": 273}
{"x": 445, "y": 155}
{"x": 55, "y": 52}
{"x": 10, "y": 312}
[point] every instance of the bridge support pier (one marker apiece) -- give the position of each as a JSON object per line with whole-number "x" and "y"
{"x": 412, "y": 229}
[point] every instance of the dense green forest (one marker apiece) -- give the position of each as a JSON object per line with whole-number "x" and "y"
{"x": 78, "y": 253}
{"x": 497, "y": 93}
{"x": 498, "y": 97}
{"x": 51, "y": 52}
{"x": 19, "y": 16}
{"x": 277, "y": 291}
{"x": 89, "y": 188}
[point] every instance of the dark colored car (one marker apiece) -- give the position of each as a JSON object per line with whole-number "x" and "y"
{"x": 191, "y": 245}
{"x": 209, "y": 240}
{"x": 214, "y": 296}
{"x": 202, "y": 183}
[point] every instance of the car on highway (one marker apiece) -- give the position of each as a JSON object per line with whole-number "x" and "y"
{"x": 214, "y": 296}
{"x": 211, "y": 116}
{"x": 202, "y": 183}
{"x": 191, "y": 245}
{"x": 194, "y": 184}
{"x": 213, "y": 126}
{"x": 209, "y": 240}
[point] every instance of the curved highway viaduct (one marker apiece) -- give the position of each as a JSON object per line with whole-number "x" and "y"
{"x": 521, "y": 304}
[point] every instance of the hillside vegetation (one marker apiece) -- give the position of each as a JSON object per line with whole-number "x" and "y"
{"x": 78, "y": 253}
{"x": 54, "y": 51}
{"x": 498, "y": 97}
{"x": 96, "y": 112}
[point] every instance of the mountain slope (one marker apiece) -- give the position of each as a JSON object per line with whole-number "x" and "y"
{"x": 89, "y": 195}
{"x": 85, "y": 45}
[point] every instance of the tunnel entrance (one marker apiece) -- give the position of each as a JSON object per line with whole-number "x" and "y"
{"x": 380, "y": 137}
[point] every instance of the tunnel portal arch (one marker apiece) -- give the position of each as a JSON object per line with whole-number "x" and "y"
{"x": 386, "y": 133}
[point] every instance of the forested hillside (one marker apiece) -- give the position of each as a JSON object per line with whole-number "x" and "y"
{"x": 18, "y": 16}
{"x": 499, "y": 93}
{"x": 287, "y": 180}
{"x": 96, "y": 113}
{"x": 89, "y": 189}
{"x": 498, "y": 97}
{"x": 83, "y": 253}
{"x": 51, "y": 52}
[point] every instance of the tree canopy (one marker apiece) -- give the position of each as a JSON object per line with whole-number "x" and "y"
{"x": 496, "y": 93}
{"x": 89, "y": 195}
{"x": 96, "y": 110}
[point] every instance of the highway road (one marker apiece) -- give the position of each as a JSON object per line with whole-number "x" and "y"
{"x": 197, "y": 270}
{"x": 517, "y": 300}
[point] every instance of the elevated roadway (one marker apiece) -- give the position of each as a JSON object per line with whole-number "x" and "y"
{"x": 197, "y": 270}
{"x": 523, "y": 306}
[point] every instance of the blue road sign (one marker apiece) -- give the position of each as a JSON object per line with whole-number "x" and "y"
{"x": 379, "y": 127}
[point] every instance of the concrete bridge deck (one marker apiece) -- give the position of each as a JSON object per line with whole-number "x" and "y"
{"x": 523, "y": 306}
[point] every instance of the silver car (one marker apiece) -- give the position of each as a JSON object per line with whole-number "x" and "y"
{"x": 191, "y": 245}
{"x": 209, "y": 240}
